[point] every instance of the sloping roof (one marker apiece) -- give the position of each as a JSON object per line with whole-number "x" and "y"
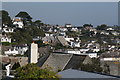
{"x": 62, "y": 61}
{"x": 71, "y": 73}
{"x": 57, "y": 61}
{"x": 62, "y": 40}
{"x": 76, "y": 60}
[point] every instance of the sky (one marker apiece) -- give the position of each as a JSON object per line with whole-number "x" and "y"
{"x": 75, "y": 13}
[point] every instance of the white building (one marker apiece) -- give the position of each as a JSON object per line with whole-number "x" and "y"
{"x": 5, "y": 39}
{"x": 18, "y": 23}
{"x": 7, "y": 30}
{"x": 68, "y": 39}
{"x": 46, "y": 34}
{"x": 68, "y": 25}
{"x": 75, "y": 44}
{"x": 73, "y": 51}
{"x": 92, "y": 55}
{"x": 33, "y": 53}
{"x": 74, "y": 29}
{"x": 14, "y": 50}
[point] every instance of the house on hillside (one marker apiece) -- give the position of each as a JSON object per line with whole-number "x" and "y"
{"x": 62, "y": 40}
{"x": 68, "y": 25}
{"x": 16, "y": 49}
{"x": 18, "y": 23}
{"x": 8, "y": 30}
{"x": 5, "y": 38}
{"x": 48, "y": 39}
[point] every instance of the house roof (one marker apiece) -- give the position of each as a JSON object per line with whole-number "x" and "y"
{"x": 62, "y": 40}
{"x": 72, "y": 73}
{"x": 61, "y": 61}
{"x": 75, "y": 61}
{"x": 57, "y": 61}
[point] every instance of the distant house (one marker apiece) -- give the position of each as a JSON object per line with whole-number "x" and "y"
{"x": 68, "y": 25}
{"x": 110, "y": 56}
{"x": 74, "y": 43}
{"x": 59, "y": 62}
{"x": 84, "y": 50}
{"x": 104, "y": 32}
{"x": 47, "y": 34}
{"x": 115, "y": 33}
{"x": 63, "y": 29}
{"x": 48, "y": 39}
{"x": 92, "y": 55}
{"x": 74, "y": 29}
{"x": 14, "y": 50}
{"x": 62, "y": 40}
{"x": 18, "y": 23}
{"x": 7, "y": 30}
{"x": 109, "y": 29}
{"x": 71, "y": 51}
{"x": 5, "y": 39}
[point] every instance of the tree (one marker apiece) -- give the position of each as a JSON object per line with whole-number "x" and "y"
{"x": 16, "y": 65}
{"x": 87, "y": 25}
{"x": 25, "y": 17}
{"x": 102, "y": 27}
{"x": 6, "y": 18}
{"x": 32, "y": 71}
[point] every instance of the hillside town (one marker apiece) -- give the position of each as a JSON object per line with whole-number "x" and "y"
{"x": 64, "y": 48}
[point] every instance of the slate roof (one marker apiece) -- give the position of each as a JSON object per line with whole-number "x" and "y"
{"x": 76, "y": 60}
{"x": 57, "y": 61}
{"x": 62, "y": 40}
{"x": 71, "y": 73}
{"x": 62, "y": 61}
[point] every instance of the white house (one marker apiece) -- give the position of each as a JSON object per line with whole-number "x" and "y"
{"x": 84, "y": 50}
{"x": 18, "y": 23}
{"x": 115, "y": 33}
{"x": 5, "y": 39}
{"x": 14, "y": 50}
{"x": 8, "y": 30}
{"x": 110, "y": 29}
{"x": 63, "y": 29}
{"x": 75, "y": 44}
{"x": 74, "y": 29}
{"x": 92, "y": 55}
{"x": 68, "y": 39}
{"x": 47, "y": 34}
{"x": 72, "y": 51}
{"x": 68, "y": 25}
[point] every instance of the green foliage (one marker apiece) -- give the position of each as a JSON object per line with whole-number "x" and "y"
{"x": 5, "y": 43}
{"x": 25, "y": 35}
{"x": 86, "y": 25}
{"x": 72, "y": 33}
{"x": 16, "y": 65}
{"x": 6, "y": 18}
{"x": 32, "y": 71}
{"x": 94, "y": 67}
{"x": 23, "y": 15}
{"x": 40, "y": 43}
{"x": 102, "y": 27}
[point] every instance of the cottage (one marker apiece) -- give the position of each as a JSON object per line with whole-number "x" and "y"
{"x": 68, "y": 25}
{"x": 16, "y": 49}
{"x": 7, "y": 30}
{"x": 5, "y": 39}
{"x": 18, "y": 22}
